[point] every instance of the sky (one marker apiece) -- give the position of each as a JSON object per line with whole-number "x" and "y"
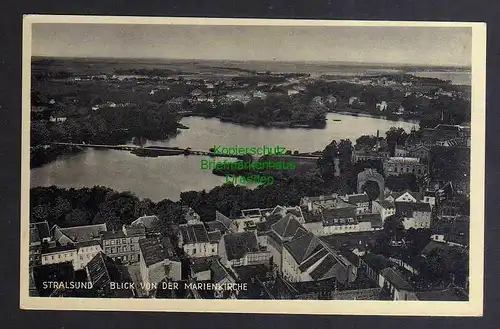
{"x": 440, "y": 46}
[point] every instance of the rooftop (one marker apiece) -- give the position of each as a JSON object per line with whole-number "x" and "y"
{"x": 396, "y": 279}
{"x": 238, "y": 244}
{"x": 407, "y": 208}
{"x": 79, "y": 233}
{"x": 147, "y": 221}
{"x": 155, "y": 250}
{"x": 193, "y": 233}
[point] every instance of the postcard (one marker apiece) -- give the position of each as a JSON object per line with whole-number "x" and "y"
{"x": 253, "y": 166}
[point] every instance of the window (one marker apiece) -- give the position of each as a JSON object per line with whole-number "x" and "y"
{"x": 59, "y": 256}
{"x": 106, "y": 242}
{"x": 124, "y": 241}
{"x": 132, "y": 248}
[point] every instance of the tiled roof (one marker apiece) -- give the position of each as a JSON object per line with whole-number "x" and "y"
{"x": 386, "y": 204}
{"x": 155, "y": 250}
{"x": 432, "y": 245}
{"x": 214, "y": 236}
{"x": 325, "y": 267}
{"x": 287, "y": 226}
{"x": 41, "y": 230}
{"x": 223, "y": 218}
{"x": 358, "y": 198}
{"x": 407, "y": 208}
{"x": 84, "y": 244}
{"x": 302, "y": 247}
{"x": 313, "y": 259}
{"x": 55, "y": 249}
{"x": 338, "y": 213}
{"x": 238, "y": 244}
{"x": 376, "y": 262}
{"x": 80, "y": 233}
{"x": 147, "y": 221}
{"x": 215, "y": 225}
{"x": 194, "y": 233}
{"x": 396, "y": 279}
{"x": 218, "y": 271}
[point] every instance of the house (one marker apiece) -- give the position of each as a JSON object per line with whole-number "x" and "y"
{"x": 395, "y": 166}
{"x": 236, "y": 249}
{"x": 158, "y": 261}
{"x": 394, "y": 282}
{"x": 123, "y": 245}
{"x": 322, "y": 202}
{"x": 360, "y": 200}
{"x": 373, "y": 264}
{"x": 86, "y": 251}
{"x": 200, "y": 268}
{"x": 292, "y": 92}
{"x": 148, "y": 222}
{"x": 60, "y": 254}
{"x": 404, "y": 196}
{"x": 385, "y": 208}
{"x": 75, "y": 234}
{"x": 103, "y": 273}
{"x": 421, "y": 151}
{"x": 307, "y": 258}
{"x": 414, "y": 214}
{"x": 281, "y": 232}
{"x": 195, "y": 241}
{"x": 39, "y": 234}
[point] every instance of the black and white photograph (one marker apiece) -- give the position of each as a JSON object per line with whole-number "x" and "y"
{"x": 240, "y": 165}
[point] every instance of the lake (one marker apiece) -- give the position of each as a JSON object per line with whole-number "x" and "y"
{"x": 166, "y": 177}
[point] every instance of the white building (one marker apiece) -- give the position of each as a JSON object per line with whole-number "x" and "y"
{"x": 194, "y": 240}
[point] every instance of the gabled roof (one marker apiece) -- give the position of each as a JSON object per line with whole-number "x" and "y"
{"x": 239, "y": 244}
{"x": 155, "y": 250}
{"x": 303, "y": 246}
{"x": 376, "y": 262}
{"x": 287, "y": 226}
{"x": 386, "y": 204}
{"x": 147, "y": 221}
{"x": 39, "y": 231}
{"x": 218, "y": 272}
{"x": 416, "y": 195}
{"x": 223, "y": 219}
{"x": 326, "y": 269}
{"x": 79, "y": 233}
{"x": 193, "y": 233}
{"x": 396, "y": 279}
{"x": 101, "y": 270}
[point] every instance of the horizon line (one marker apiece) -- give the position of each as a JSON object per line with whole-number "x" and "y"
{"x": 468, "y": 66}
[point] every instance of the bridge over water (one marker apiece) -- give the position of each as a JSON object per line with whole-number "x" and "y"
{"x": 169, "y": 150}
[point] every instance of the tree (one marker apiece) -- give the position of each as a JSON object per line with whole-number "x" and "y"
{"x": 394, "y": 227}
{"x": 77, "y": 217}
{"x": 366, "y": 142}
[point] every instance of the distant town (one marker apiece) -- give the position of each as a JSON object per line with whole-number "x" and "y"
{"x": 382, "y": 217}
